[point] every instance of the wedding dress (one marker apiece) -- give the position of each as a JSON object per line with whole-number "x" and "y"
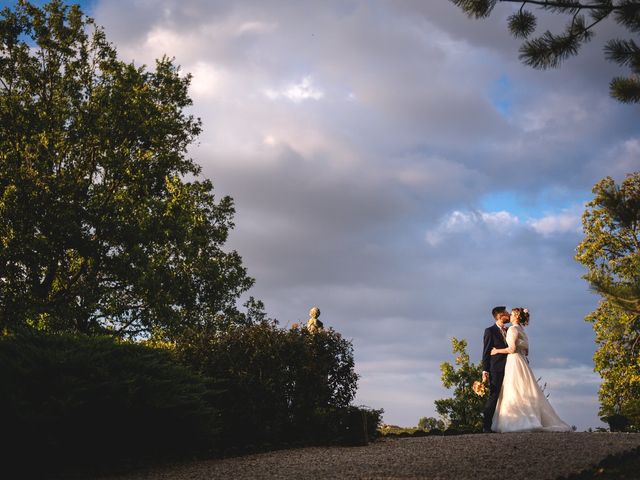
{"x": 522, "y": 405}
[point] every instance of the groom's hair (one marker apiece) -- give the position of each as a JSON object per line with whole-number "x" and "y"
{"x": 497, "y": 310}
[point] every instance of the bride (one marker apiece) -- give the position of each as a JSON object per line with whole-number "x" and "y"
{"x": 522, "y": 406}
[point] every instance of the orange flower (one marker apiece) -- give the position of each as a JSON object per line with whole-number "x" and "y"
{"x": 479, "y": 388}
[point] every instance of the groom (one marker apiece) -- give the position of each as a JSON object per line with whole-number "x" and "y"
{"x": 493, "y": 365}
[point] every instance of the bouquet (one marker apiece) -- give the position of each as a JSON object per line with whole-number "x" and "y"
{"x": 479, "y": 388}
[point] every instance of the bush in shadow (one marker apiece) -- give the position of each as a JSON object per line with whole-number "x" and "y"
{"x": 93, "y": 402}
{"x": 617, "y": 422}
{"x": 98, "y": 404}
{"x": 354, "y": 426}
{"x": 279, "y": 386}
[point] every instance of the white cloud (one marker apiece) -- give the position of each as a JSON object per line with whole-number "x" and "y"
{"x": 206, "y": 81}
{"x": 464, "y": 222}
{"x": 567, "y": 221}
{"x": 270, "y": 140}
{"x": 473, "y": 222}
{"x": 500, "y": 220}
{"x": 297, "y": 92}
{"x": 255, "y": 27}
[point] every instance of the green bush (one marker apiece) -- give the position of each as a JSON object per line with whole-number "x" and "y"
{"x": 280, "y": 386}
{"x": 92, "y": 402}
{"x": 96, "y": 403}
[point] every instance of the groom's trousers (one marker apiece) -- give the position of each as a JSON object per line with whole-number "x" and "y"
{"x": 495, "y": 385}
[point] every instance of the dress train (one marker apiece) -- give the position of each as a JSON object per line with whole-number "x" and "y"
{"x": 522, "y": 405}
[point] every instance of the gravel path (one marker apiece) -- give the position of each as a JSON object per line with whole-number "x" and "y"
{"x": 482, "y": 456}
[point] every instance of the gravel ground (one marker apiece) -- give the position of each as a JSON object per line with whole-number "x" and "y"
{"x": 481, "y": 456}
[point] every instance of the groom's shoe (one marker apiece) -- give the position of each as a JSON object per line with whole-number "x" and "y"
{"x": 487, "y": 431}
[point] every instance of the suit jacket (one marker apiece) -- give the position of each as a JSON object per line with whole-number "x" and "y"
{"x": 493, "y": 338}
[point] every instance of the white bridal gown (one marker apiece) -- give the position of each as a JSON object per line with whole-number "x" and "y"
{"x": 522, "y": 406}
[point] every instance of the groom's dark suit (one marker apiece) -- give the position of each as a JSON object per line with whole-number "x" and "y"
{"x": 494, "y": 364}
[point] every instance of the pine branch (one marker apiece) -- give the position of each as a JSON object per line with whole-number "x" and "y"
{"x": 628, "y": 14}
{"x": 625, "y": 90}
{"x": 571, "y": 6}
{"x": 483, "y": 8}
{"x": 625, "y": 296}
{"x": 623, "y": 52}
{"x": 522, "y": 23}
{"x": 549, "y": 50}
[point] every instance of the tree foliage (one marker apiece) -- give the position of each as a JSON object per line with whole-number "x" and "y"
{"x": 464, "y": 410}
{"x": 611, "y": 246}
{"x": 611, "y": 252}
{"x": 105, "y": 224}
{"x": 617, "y": 360}
{"x": 430, "y": 423}
{"x": 549, "y": 50}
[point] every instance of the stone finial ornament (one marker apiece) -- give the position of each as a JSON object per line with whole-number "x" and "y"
{"x": 313, "y": 324}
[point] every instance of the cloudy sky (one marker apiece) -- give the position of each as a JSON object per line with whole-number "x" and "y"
{"x": 393, "y": 163}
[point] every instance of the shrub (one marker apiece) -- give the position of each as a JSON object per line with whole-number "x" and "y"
{"x": 617, "y": 422}
{"x": 280, "y": 386}
{"x": 374, "y": 420}
{"x": 92, "y": 402}
{"x": 96, "y": 403}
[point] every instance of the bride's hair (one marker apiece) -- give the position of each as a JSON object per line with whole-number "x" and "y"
{"x": 523, "y": 315}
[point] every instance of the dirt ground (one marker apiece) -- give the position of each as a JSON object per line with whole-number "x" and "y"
{"x": 481, "y": 456}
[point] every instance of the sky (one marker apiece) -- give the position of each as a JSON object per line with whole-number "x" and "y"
{"x": 396, "y": 165}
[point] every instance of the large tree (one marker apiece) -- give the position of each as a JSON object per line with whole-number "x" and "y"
{"x": 550, "y": 49}
{"x": 105, "y": 222}
{"x": 611, "y": 252}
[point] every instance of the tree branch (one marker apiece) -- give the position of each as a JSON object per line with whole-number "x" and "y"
{"x": 578, "y": 6}
{"x": 60, "y": 294}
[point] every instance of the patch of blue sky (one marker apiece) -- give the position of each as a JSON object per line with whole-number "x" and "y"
{"x": 528, "y": 206}
{"x": 501, "y": 95}
{"x": 85, "y": 5}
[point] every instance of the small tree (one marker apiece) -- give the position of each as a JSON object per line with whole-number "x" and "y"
{"x": 430, "y": 423}
{"x": 464, "y": 410}
{"x": 549, "y": 49}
